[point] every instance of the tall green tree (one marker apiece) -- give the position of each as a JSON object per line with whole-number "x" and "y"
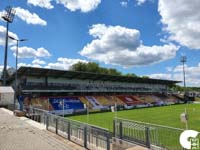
{"x": 80, "y": 66}
{"x": 95, "y": 68}
{"x": 113, "y": 71}
{"x": 131, "y": 75}
{"x": 92, "y": 67}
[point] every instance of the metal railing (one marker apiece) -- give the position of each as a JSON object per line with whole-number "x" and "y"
{"x": 38, "y": 115}
{"x": 88, "y": 136}
{"x": 92, "y": 137}
{"x": 148, "y": 135}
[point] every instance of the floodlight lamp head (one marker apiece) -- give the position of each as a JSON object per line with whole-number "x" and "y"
{"x": 21, "y": 40}
{"x": 183, "y": 59}
{"x": 12, "y": 38}
{"x": 9, "y": 14}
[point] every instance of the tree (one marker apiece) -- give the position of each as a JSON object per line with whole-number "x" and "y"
{"x": 145, "y": 77}
{"x": 113, "y": 71}
{"x": 103, "y": 70}
{"x": 95, "y": 68}
{"x": 131, "y": 75}
{"x": 92, "y": 67}
{"x": 80, "y": 66}
{"x": 175, "y": 87}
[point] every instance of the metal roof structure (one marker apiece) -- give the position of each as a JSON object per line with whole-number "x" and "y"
{"x": 44, "y": 72}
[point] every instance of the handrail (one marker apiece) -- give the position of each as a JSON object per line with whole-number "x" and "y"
{"x": 67, "y": 119}
{"x": 149, "y": 124}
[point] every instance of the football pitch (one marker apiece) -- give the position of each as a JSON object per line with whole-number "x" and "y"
{"x": 165, "y": 115}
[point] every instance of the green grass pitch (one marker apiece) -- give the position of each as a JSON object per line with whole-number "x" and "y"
{"x": 166, "y": 115}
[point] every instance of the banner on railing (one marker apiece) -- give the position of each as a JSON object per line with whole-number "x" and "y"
{"x": 66, "y": 105}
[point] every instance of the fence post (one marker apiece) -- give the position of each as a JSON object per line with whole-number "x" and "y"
{"x": 56, "y": 125}
{"x": 47, "y": 122}
{"x": 40, "y": 116}
{"x": 45, "y": 118}
{"x": 114, "y": 128}
{"x": 68, "y": 130}
{"x": 85, "y": 136}
{"x": 108, "y": 140}
{"x": 148, "y": 144}
{"x": 120, "y": 130}
{"x": 37, "y": 118}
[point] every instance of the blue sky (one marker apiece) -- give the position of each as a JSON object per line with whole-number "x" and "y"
{"x": 146, "y": 37}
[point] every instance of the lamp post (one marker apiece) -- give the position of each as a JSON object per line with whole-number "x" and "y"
{"x": 16, "y": 64}
{"x": 183, "y": 60}
{"x": 8, "y": 17}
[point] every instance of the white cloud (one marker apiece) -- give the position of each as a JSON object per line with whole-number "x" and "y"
{"x": 61, "y": 64}
{"x": 42, "y": 52}
{"x": 41, "y": 3}
{"x": 1, "y": 70}
{"x": 29, "y": 65}
{"x": 192, "y": 75}
{"x": 124, "y": 3}
{"x": 160, "y": 76}
{"x": 179, "y": 68}
{"x": 28, "y": 52}
{"x": 10, "y": 69}
{"x": 82, "y": 5}
{"x": 35, "y": 63}
{"x": 38, "y": 62}
{"x": 121, "y": 46}
{"x": 1, "y": 14}
{"x": 3, "y": 35}
{"x": 29, "y": 18}
{"x": 140, "y": 2}
{"x": 181, "y": 19}
{"x": 169, "y": 69}
{"x": 64, "y": 63}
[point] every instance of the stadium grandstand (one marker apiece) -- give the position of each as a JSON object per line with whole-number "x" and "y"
{"x": 73, "y": 92}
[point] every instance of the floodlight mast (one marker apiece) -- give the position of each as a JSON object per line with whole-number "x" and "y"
{"x": 184, "y": 60}
{"x": 8, "y": 17}
{"x": 16, "y": 64}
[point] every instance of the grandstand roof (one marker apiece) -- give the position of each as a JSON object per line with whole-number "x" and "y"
{"x": 86, "y": 75}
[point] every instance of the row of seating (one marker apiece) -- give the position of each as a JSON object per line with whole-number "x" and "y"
{"x": 101, "y": 102}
